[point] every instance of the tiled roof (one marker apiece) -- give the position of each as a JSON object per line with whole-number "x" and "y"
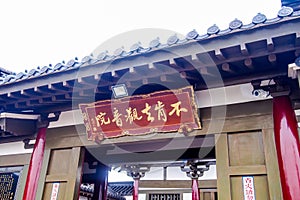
{"x": 5, "y": 72}
{"x": 213, "y": 31}
{"x": 121, "y": 188}
{"x": 116, "y": 190}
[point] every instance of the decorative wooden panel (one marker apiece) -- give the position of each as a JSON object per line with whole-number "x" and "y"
{"x": 245, "y": 153}
{"x": 260, "y": 185}
{"x": 64, "y": 167}
{"x": 17, "y": 160}
{"x": 246, "y": 149}
{"x": 164, "y": 196}
{"x": 208, "y": 194}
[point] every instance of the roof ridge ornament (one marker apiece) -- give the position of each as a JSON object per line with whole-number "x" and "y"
{"x": 214, "y": 29}
{"x": 192, "y": 35}
{"x": 71, "y": 63}
{"x": 235, "y": 24}
{"x": 119, "y": 51}
{"x": 155, "y": 43}
{"x": 59, "y": 66}
{"x": 85, "y": 59}
{"x": 46, "y": 69}
{"x": 285, "y": 12}
{"x": 136, "y": 47}
{"x": 172, "y": 40}
{"x": 259, "y": 18}
{"x": 102, "y": 55}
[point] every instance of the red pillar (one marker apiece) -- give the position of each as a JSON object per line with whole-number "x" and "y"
{"x": 136, "y": 189}
{"x": 287, "y": 146}
{"x": 195, "y": 190}
{"x": 35, "y": 165}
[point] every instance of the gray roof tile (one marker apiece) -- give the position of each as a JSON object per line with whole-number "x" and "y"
{"x": 137, "y": 48}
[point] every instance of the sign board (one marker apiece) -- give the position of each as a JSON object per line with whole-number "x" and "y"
{"x": 54, "y": 192}
{"x": 164, "y": 111}
{"x": 8, "y": 185}
{"x": 248, "y": 187}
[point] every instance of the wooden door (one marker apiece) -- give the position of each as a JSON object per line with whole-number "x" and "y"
{"x": 64, "y": 167}
{"x": 249, "y": 153}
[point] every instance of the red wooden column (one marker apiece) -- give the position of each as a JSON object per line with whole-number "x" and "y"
{"x": 136, "y": 189}
{"x": 195, "y": 169}
{"x": 287, "y": 146}
{"x": 136, "y": 172}
{"x": 195, "y": 189}
{"x": 35, "y": 165}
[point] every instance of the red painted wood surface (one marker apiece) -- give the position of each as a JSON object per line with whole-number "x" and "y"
{"x": 35, "y": 165}
{"x": 195, "y": 190}
{"x": 287, "y": 146}
{"x": 164, "y": 111}
{"x": 136, "y": 189}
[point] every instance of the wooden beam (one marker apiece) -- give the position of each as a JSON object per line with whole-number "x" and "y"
{"x": 247, "y": 170}
{"x": 58, "y": 87}
{"x": 248, "y": 62}
{"x": 204, "y": 184}
{"x": 129, "y": 84}
{"x": 151, "y": 66}
{"x": 219, "y": 54}
{"x": 244, "y": 49}
{"x": 87, "y": 92}
{"x": 204, "y": 71}
{"x": 132, "y": 70}
{"x": 145, "y": 81}
{"x": 166, "y": 78}
{"x": 297, "y": 38}
{"x": 272, "y": 59}
{"x": 46, "y": 100}
{"x": 297, "y": 52}
{"x": 102, "y": 90}
{"x": 156, "y": 68}
{"x": 226, "y": 68}
{"x": 32, "y": 102}
{"x": 17, "y": 95}
{"x": 30, "y": 92}
{"x": 85, "y": 83}
{"x": 196, "y": 61}
{"x": 15, "y": 160}
{"x": 21, "y": 104}
{"x": 172, "y": 62}
{"x": 114, "y": 74}
{"x": 96, "y": 77}
{"x": 270, "y": 44}
{"x": 61, "y": 98}
{"x": 184, "y": 75}
{"x": 44, "y": 90}
{"x": 68, "y": 84}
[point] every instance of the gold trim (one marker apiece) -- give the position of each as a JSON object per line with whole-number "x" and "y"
{"x": 184, "y": 128}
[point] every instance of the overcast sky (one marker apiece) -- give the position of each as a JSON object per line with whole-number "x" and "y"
{"x": 37, "y": 33}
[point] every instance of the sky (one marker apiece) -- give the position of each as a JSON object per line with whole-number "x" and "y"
{"x": 38, "y": 33}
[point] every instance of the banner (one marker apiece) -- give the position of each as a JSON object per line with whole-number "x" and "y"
{"x": 164, "y": 111}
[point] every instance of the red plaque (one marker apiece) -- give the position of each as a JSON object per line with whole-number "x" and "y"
{"x": 164, "y": 111}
